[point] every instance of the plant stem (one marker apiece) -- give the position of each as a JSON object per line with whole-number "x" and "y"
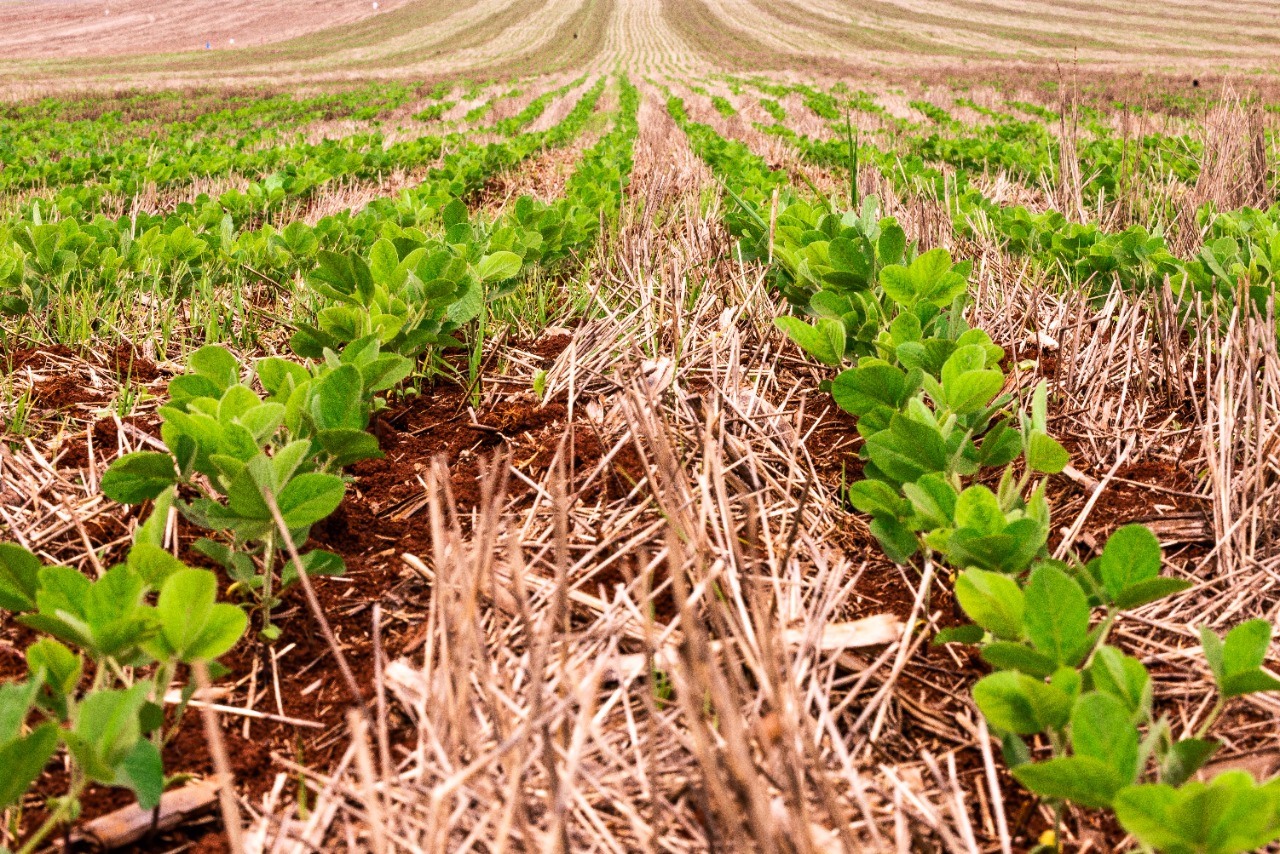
{"x": 268, "y": 559}
{"x": 55, "y": 818}
{"x": 1214, "y": 714}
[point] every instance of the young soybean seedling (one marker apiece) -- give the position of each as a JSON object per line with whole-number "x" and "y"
{"x": 230, "y": 447}
{"x": 133, "y": 627}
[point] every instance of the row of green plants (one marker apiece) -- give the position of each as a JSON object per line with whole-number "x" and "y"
{"x": 282, "y": 175}
{"x": 39, "y": 150}
{"x": 1239, "y": 255}
{"x": 48, "y": 268}
{"x": 954, "y": 472}
{"x": 255, "y": 454}
{"x": 1111, "y": 166}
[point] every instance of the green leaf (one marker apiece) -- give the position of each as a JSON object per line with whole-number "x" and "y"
{"x": 934, "y": 499}
{"x": 1057, "y": 615}
{"x": 1020, "y": 704}
{"x": 972, "y": 391}
{"x": 1185, "y": 758}
{"x": 1229, "y": 815}
{"x": 337, "y": 401}
{"x": 872, "y": 384}
{"x": 1249, "y": 682}
{"x": 139, "y": 476}
{"x": 348, "y": 446}
{"x": 877, "y": 498}
{"x": 152, "y": 564}
{"x": 23, "y": 761}
{"x": 142, "y": 771}
{"x": 969, "y": 634}
{"x": 898, "y": 541}
{"x": 978, "y": 508}
{"x": 384, "y": 261}
{"x": 908, "y": 450}
{"x": 824, "y": 341}
{"x": 308, "y": 498}
{"x": 891, "y": 244}
{"x": 60, "y": 668}
{"x": 19, "y": 578}
{"x": 1245, "y": 647}
{"x": 1131, "y": 555}
{"x": 1007, "y": 655}
{"x": 1102, "y": 728}
{"x": 1123, "y": 677}
{"x": 1082, "y": 780}
{"x": 106, "y": 728}
{"x": 498, "y": 266}
{"x": 317, "y": 562}
{"x": 1150, "y": 590}
{"x": 216, "y": 364}
{"x": 993, "y": 601}
{"x": 1045, "y": 454}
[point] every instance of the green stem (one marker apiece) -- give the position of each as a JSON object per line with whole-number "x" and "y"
{"x": 55, "y": 818}
{"x": 268, "y": 561}
{"x": 1214, "y": 714}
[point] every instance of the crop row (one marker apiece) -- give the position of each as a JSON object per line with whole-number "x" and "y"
{"x": 41, "y": 151}
{"x": 289, "y": 171}
{"x": 1240, "y": 248}
{"x": 937, "y": 426}
{"x": 46, "y": 268}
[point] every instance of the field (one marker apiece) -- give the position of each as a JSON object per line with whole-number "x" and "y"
{"x": 624, "y": 425}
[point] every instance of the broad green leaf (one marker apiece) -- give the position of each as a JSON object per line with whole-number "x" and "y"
{"x": 1245, "y": 646}
{"x": 1122, "y": 676}
{"x": 1082, "y": 780}
{"x": 1131, "y": 555}
{"x": 898, "y": 284}
{"x": 969, "y": 634}
{"x": 498, "y": 267}
{"x": 1021, "y": 704}
{"x": 468, "y": 304}
{"x": 337, "y": 399}
{"x": 152, "y": 564}
{"x": 891, "y": 244}
{"x": 216, "y": 364}
{"x": 993, "y": 601}
{"x": 873, "y": 383}
{"x": 308, "y": 498}
{"x": 1008, "y": 655}
{"x": 16, "y": 700}
{"x": 1057, "y": 615}
{"x": 824, "y": 341}
{"x": 384, "y": 261}
{"x": 877, "y": 498}
{"x": 105, "y": 730}
{"x": 1185, "y": 758}
{"x": 908, "y": 449}
{"x": 1102, "y": 728}
{"x": 1045, "y": 454}
{"x": 316, "y": 562}
{"x": 139, "y": 476}
{"x": 19, "y": 578}
{"x": 934, "y": 499}
{"x": 898, "y": 541}
{"x": 23, "y": 760}
{"x": 1249, "y": 682}
{"x": 142, "y": 772}
{"x": 1229, "y": 815}
{"x": 978, "y": 508}
{"x": 1150, "y": 590}
{"x": 972, "y": 391}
